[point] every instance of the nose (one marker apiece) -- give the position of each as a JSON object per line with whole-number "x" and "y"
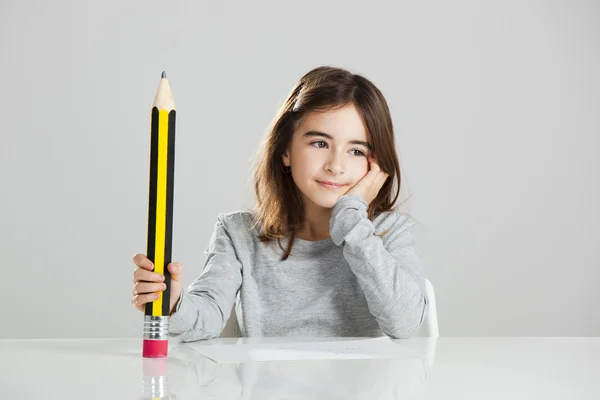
{"x": 336, "y": 163}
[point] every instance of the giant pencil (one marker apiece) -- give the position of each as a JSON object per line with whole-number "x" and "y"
{"x": 160, "y": 216}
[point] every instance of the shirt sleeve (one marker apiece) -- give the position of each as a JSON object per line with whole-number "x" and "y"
{"x": 204, "y": 308}
{"x": 388, "y": 268}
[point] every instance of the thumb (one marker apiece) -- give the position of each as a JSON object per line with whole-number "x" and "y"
{"x": 176, "y": 271}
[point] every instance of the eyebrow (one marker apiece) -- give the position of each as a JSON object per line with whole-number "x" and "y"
{"x": 314, "y": 133}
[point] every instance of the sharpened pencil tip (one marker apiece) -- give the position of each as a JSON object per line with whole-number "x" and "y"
{"x": 163, "y": 75}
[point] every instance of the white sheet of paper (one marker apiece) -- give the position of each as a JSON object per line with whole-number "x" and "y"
{"x": 381, "y": 347}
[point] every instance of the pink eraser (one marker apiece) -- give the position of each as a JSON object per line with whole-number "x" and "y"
{"x": 155, "y": 348}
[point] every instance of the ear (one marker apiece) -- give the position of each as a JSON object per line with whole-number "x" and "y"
{"x": 286, "y": 159}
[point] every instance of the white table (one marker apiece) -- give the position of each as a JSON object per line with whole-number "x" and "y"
{"x": 450, "y": 368}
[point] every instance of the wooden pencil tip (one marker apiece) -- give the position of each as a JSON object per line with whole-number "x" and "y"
{"x": 163, "y": 75}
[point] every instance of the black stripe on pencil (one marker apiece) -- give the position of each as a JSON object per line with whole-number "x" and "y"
{"x": 169, "y": 221}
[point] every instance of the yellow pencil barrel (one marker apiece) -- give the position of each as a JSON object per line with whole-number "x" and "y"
{"x": 160, "y": 207}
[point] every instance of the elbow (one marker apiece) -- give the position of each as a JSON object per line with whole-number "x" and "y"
{"x": 402, "y": 332}
{"x": 409, "y": 327}
{"x": 197, "y": 333}
{"x": 197, "y": 319}
{"x": 194, "y": 336}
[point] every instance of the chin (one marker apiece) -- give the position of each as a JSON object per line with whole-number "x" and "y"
{"x": 326, "y": 203}
{"x": 324, "y": 200}
{"x": 320, "y": 197}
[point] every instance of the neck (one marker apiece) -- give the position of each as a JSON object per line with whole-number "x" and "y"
{"x": 316, "y": 224}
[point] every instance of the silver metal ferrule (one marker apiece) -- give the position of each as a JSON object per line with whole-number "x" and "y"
{"x": 155, "y": 387}
{"x": 156, "y": 328}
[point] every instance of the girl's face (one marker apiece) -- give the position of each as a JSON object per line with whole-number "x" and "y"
{"x": 329, "y": 146}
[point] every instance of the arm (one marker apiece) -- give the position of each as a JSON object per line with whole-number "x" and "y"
{"x": 388, "y": 269}
{"x": 203, "y": 310}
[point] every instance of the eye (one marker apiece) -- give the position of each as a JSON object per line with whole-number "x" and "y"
{"x": 319, "y": 141}
{"x": 358, "y": 153}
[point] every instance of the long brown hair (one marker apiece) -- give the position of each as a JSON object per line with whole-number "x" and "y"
{"x": 280, "y": 211}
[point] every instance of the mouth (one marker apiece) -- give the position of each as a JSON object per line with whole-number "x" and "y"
{"x": 330, "y": 185}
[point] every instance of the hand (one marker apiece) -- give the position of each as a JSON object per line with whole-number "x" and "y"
{"x": 370, "y": 184}
{"x": 147, "y": 283}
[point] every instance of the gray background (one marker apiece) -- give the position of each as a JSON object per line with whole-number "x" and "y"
{"x": 495, "y": 106}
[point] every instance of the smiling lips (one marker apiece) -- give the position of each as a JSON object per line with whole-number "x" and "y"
{"x": 331, "y": 185}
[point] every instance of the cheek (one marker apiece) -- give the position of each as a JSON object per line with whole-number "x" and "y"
{"x": 308, "y": 160}
{"x": 360, "y": 170}
{"x": 304, "y": 168}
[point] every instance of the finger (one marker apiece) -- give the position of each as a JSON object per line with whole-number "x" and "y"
{"x": 148, "y": 276}
{"x": 380, "y": 183}
{"x": 141, "y": 299}
{"x": 148, "y": 287}
{"x": 140, "y": 307}
{"x": 175, "y": 269}
{"x": 374, "y": 166}
{"x": 142, "y": 261}
{"x": 372, "y": 175}
{"x": 382, "y": 177}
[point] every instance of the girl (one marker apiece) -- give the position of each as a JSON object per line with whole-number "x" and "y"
{"x": 325, "y": 253}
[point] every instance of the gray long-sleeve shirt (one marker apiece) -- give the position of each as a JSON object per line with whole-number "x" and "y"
{"x": 351, "y": 284}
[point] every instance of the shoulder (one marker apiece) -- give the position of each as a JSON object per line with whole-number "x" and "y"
{"x": 232, "y": 230}
{"x": 239, "y": 221}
